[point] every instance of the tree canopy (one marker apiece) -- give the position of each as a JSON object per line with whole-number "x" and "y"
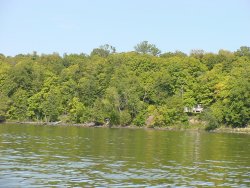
{"x": 139, "y": 88}
{"x": 146, "y": 48}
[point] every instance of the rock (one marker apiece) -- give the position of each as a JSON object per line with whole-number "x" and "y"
{"x": 150, "y": 121}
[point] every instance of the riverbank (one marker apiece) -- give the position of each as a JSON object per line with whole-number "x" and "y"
{"x": 232, "y": 130}
{"x": 196, "y": 127}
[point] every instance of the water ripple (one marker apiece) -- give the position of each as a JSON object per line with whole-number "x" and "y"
{"x": 112, "y": 158}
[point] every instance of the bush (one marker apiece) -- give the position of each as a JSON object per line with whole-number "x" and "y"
{"x": 211, "y": 120}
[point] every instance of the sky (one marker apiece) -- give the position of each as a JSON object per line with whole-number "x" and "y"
{"x": 79, "y": 26}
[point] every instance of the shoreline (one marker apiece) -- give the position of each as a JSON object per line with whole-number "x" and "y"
{"x": 93, "y": 125}
{"x": 223, "y": 129}
{"x": 244, "y": 130}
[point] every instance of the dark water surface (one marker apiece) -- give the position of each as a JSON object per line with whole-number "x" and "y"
{"x": 43, "y": 156}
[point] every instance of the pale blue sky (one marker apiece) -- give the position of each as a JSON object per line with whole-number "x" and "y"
{"x": 78, "y": 26}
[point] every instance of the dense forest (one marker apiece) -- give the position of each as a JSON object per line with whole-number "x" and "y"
{"x": 144, "y": 87}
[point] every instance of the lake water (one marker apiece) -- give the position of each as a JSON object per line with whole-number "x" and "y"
{"x": 46, "y": 156}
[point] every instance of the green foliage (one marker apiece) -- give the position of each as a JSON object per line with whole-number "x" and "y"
{"x": 173, "y": 54}
{"x": 77, "y": 111}
{"x": 140, "y": 119}
{"x": 18, "y": 109}
{"x": 236, "y": 96}
{"x": 103, "y": 51}
{"x": 125, "y": 118}
{"x": 4, "y": 106}
{"x": 211, "y": 116}
{"x": 146, "y": 48}
{"x": 137, "y": 88}
{"x": 243, "y": 51}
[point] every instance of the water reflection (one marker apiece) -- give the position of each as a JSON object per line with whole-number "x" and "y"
{"x": 92, "y": 157}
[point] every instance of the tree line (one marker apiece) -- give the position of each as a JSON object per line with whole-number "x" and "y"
{"x": 128, "y": 88}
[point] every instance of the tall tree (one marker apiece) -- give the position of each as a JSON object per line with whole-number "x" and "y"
{"x": 103, "y": 51}
{"x": 147, "y": 48}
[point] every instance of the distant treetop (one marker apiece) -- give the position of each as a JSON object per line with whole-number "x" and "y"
{"x": 147, "y": 48}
